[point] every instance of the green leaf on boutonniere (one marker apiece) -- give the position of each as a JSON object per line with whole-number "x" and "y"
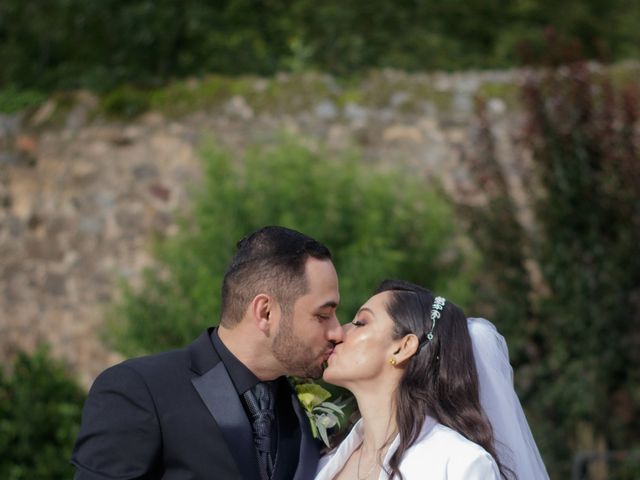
{"x": 323, "y": 415}
{"x": 311, "y": 395}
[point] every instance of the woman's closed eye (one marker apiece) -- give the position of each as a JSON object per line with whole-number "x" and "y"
{"x": 358, "y": 323}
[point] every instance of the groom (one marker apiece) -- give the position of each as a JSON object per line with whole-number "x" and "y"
{"x": 221, "y": 408}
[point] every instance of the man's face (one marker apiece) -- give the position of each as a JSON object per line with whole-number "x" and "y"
{"x": 305, "y": 339}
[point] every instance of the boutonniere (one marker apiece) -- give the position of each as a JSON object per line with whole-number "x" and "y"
{"x": 323, "y": 415}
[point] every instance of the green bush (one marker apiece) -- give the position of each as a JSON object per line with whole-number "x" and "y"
{"x": 13, "y": 100}
{"x": 586, "y": 154}
{"x": 40, "y": 409}
{"x": 377, "y": 223}
{"x": 100, "y": 45}
{"x": 576, "y": 321}
{"x": 125, "y": 102}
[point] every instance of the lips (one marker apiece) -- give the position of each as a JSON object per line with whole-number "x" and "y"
{"x": 327, "y": 355}
{"x": 325, "y": 358}
{"x": 334, "y": 352}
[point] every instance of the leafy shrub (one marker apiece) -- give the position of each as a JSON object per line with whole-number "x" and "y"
{"x": 125, "y": 102}
{"x": 377, "y": 223}
{"x": 578, "y": 318}
{"x": 13, "y": 100}
{"x": 40, "y": 409}
{"x": 100, "y": 45}
{"x": 586, "y": 149}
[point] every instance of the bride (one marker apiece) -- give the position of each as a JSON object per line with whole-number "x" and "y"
{"x": 408, "y": 358}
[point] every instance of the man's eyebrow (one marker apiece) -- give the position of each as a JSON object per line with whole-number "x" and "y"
{"x": 329, "y": 304}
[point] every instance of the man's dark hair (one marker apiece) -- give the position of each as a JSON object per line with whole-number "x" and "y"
{"x": 272, "y": 261}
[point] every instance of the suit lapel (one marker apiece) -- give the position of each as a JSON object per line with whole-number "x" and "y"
{"x": 308, "y": 460}
{"x": 216, "y": 390}
{"x": 221, "y": 399}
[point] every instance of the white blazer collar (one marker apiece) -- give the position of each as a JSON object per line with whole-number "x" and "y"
{"x": 331, "y": 464}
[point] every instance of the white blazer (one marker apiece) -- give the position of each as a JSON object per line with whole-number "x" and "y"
{"x": 439, "y": 453}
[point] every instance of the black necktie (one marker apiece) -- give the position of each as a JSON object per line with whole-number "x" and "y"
{"x": 260, "y": 402}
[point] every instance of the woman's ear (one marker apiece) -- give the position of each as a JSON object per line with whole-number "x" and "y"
{"x": 406, "y": 348}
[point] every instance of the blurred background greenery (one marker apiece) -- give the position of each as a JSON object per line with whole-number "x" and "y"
{"x": 100, "y": 45}
{"x": 565, "y": 290}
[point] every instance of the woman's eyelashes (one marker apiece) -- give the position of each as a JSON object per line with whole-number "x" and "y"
{"x": 358, "y": 323}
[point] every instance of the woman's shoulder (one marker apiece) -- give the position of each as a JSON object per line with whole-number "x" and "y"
{"x": 443, "y": 450}
{"x": 449, "y": 438}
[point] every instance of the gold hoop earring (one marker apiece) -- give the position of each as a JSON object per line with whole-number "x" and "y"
{"x": 392, "y": 362}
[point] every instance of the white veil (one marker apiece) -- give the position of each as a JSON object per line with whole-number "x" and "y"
{"x": 514, "y": 442}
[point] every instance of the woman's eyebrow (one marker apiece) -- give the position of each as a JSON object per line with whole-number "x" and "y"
{"x": 366, "y": 309}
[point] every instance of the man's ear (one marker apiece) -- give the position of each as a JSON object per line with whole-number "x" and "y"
{"x": 406, "y": 348}
{"x": 261, "y": 310}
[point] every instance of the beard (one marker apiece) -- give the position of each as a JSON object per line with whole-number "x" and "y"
{"x": 298, "y": 358}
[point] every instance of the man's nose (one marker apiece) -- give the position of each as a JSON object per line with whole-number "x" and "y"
{"x": 335, "y": 333}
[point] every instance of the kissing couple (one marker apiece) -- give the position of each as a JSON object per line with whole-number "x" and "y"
{"x": 434, "y": 389}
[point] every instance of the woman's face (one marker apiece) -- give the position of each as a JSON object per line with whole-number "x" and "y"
{"x": 367, "y": 347}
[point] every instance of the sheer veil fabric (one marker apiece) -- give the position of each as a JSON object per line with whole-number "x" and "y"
{"x": 514, "y": 442}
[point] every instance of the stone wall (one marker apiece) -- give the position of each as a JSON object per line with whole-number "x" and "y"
{"x": 82, "y": 197}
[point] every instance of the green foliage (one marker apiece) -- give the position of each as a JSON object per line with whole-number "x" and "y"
{"x": 13, "y": 100}
{"x": 587, "y": 156}
{"x": 576, "y": 321}
{"x": 504, "y": 291}
{"x": 377, "y": 224}
{"x": 40, "y": 408}
{"x": 183, "y": 97}
{"x": 100, "y": 45}
{"x": 125, "y": 102}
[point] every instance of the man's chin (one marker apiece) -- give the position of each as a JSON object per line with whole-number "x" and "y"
{"x": 314, "y": 372}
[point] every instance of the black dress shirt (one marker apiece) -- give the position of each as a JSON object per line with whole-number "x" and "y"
{"x": 285, "y": 443}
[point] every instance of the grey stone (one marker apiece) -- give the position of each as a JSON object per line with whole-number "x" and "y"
{"x": 398, "y": 99}
{"x": 8, "y": 158}
{"x": 47, "y": 249}
{"x": 105, "y": 200}
{"x": 238, "y": 107}
{"x": 16, "y": 226}
{"x": 79, "y": 114}
{"x": 130, "y": 222}
{"x": 161, "y": 221}
{"x": 496, "y": 105}
{"x": 326, "y": 110}
{"x": 55, "y": 284}
{"x": 467, "y": 83}
{"x": 10, "y": 123}
{"x": 462, "y": 102}
{"x": 145, "y": 172}
{"x": 44, "y": 113}
{"x": 91, "y": 225}
{"x": 77, "y": 117}
{"x": 355, "y": 112}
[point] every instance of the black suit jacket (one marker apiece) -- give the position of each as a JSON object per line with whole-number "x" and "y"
{"x": 175, "y": 416}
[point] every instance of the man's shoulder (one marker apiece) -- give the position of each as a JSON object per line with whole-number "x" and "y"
{"x": 155, "y": 361}
{"x": 159, "y": 364}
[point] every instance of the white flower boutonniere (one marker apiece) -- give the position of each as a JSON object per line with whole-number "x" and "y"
{"x": 323, "y": 415}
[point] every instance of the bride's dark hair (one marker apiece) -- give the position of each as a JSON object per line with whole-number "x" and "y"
{"x": 440, "y": 380}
